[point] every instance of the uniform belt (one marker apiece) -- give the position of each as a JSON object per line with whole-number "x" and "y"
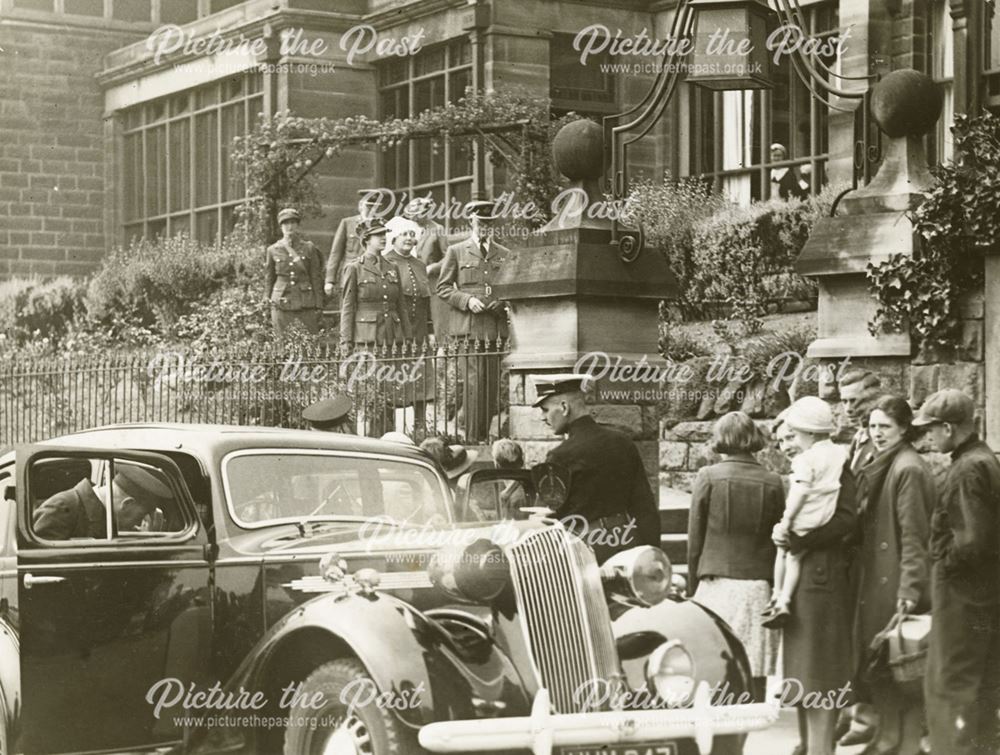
{"x": 478, "y": 288}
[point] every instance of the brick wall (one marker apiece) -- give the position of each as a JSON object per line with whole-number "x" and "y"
{"x": 53, "y": 165}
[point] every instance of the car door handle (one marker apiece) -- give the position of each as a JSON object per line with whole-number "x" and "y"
{"x": 30, "y": 580}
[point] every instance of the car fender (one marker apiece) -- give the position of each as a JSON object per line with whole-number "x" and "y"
{"x": 719, "y": 657}
{"x": 405, "y": 653}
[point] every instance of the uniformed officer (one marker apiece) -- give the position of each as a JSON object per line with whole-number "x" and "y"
{"x": 373, "y": 318}
{"x": 347, "y": 240}
{"x": 372, "y": 308}
{"x": 962, "y": 684}
{"x": 80, "y": 511}
{"x": 330, "y": 415}
{"x": 294, "y": 277}
{"x": 468, "y": 273}
{"x": 608, "y": 486}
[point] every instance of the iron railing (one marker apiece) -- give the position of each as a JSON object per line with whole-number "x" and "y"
{"x": 458, "y": 390}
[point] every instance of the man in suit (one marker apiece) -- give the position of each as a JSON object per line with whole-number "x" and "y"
{"x": 608, "y": 485}
{"x": 468, "y": 273}
{"x": 80, "y": 512}
{"x": 372, "y": 204}
{"x": 961, "y": 686}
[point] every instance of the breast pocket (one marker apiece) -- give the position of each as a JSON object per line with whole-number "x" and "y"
{"x": 469, "y": 275}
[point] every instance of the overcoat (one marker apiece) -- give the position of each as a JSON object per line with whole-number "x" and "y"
{"x": 77, "y": 512}
{"x": 416, "y": 292}
{"x": 372, "y": 310}
{"x": 817, "y": 638}
{"x": 430, "y": 250}
{"x": 893, "y": 560}
{"x": 465, "y": 273}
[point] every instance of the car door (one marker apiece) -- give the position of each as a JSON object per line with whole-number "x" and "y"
{"x": 107, "y": 615}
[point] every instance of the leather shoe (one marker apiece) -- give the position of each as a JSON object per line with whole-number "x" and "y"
{"x": 858, "y": 734}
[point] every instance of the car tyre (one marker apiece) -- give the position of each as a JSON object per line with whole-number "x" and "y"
{"x": 370, "y": 730}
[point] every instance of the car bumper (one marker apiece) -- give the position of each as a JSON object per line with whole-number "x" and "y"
{"x": 544, "y": 730}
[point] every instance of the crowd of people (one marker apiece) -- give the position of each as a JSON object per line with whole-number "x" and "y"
{"x": 397, "y": 283}
{"x": 832, "y": 561}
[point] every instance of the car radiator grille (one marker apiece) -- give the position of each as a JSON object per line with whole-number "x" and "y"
{"x": 558, "y": 587}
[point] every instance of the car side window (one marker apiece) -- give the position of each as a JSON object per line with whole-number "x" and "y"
{"x": 101, "y": 499}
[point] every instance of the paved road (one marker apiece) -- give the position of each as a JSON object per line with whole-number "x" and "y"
{"x": 781, "y": 738}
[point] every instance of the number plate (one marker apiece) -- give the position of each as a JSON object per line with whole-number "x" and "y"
{"x": 667, "y": 748}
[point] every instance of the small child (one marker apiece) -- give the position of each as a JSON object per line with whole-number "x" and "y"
{"x": 812, "y": 495}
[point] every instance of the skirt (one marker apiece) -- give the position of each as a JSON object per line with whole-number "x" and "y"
{"x": 740, "y": 602}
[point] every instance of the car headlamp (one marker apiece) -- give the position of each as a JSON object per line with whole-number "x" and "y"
{"x": 670, "y": 673}
{"x": 475, "y": 573}
{"x": 641, "y": 575}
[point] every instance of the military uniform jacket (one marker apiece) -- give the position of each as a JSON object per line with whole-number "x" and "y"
{"x": 607, "y": 479}
{"x": 467, "y": 272}
{"x": 71, "y": 513}
{"x": 294, "y": 275}
{"x": 372, "y": 309}
{"x": 430, "y": 246}
{"x": 345, "y": 248}
{"x": 965, "y": 526}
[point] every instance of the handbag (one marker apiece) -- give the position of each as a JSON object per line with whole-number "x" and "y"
{"x": 908, "y": 641}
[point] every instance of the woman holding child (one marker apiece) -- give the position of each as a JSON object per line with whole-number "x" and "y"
{"x": 734, "y": 506}
{"x": 816, "y": 633}
{"x": 897, "y": 495}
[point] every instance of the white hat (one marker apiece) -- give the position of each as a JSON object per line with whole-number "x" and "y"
{"x": 397, "y": 227}
{"x": 811, "y": 414}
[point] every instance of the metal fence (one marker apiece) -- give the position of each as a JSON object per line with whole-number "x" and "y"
{"x": 459, "y": 390}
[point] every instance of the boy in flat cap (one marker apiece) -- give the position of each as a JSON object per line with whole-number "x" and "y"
{"x": 468, "y": 273}
{"x": 347, "y": 244}
{"x": 80, "y": 512}
{"x": 294, "y": 277}
{"x": 963, "y": 661}
{"x": 608, "y": 486}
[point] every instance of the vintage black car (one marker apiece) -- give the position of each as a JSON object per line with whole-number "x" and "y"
{"x": 302, "y": 592}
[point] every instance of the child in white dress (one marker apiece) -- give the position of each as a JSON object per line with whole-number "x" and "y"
{"x": 812, "y": 495}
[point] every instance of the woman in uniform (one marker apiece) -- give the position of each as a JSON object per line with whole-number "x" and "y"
{"x": 373, "y": 317}
{"x": 294, "y": 277}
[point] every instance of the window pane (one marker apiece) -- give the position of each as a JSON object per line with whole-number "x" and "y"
{"x": 430, "y": 60}
{"x": 180, "y": 165}
{"x": 46, "y": 5}
{"x": 132, "y": 165}
{"x": 180, "y": 103}
{"x": 991, "y": 49}
{"x": 156, "y": 171}
{"x": 133, "y": 232}
{"x": 180, "y": 224}
{"x": 232, "y": 88}
{"x": 156, "y": 111}
{"x": 393, "y": 71}
{"x": 84, "y": 7}
{"x": 178, "y": 11}
{"x": 207, "y": 226}
{"x": 460, "y": 53}
{"x": 207, "y": 95}
{"x": 157, "y": 228}
{"x": 232, "y": 126}
{"x": 428, "y": 94}
{"x": 255, "y": 83}
{"x": 572, "y": 81}
{"x": 207, "y": 158}
{"x": 422, "y": 149}
{"x": 132, "y": 10}
{"x": 229, "y": 219}
{"x": 458, "y": 83}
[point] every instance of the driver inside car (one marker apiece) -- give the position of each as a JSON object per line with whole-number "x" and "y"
{"x": 135, "y": 494}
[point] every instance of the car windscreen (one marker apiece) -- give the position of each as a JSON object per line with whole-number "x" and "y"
{"x": 266, "y": 487}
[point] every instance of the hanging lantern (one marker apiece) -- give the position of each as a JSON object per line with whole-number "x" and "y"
{"x": 729, "y": 49}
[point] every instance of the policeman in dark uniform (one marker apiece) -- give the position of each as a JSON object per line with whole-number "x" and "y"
{"x": 468, "y": 273}
{"x": 608, "y": 486}
{"x": 294, "y": 277}
{"x": 373, "y": 318}
{"x": 962, "y": 684}
{"x": 330, "y": 415}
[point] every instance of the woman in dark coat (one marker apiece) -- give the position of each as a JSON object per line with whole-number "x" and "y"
{"x": 734, "y": 506}
{"x": 817, "y": 639}
{"x": 897, "y": 494}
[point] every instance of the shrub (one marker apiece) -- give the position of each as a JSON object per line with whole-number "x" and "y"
{"x": 151, "y": 284}
{"x": 231, "y": 317}
{"x": 33, "y": 309}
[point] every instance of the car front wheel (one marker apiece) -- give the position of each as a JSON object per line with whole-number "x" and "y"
{"x": 320, "y": 723}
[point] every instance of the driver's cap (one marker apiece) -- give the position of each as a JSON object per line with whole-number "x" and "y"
{"x": 554, "y": 385}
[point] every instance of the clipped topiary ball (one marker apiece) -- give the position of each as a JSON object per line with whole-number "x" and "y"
{"x": 906, "y": 103}
{"x": 578, "y": 150}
